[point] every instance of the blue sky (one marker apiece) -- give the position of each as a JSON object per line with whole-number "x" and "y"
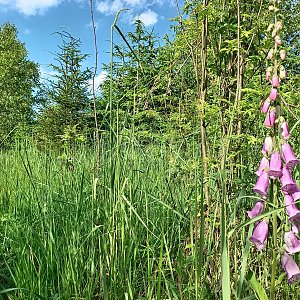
{"x": 38, "y": 20}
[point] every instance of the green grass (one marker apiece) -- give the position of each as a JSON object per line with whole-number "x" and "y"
{"x": 141, "y": 231}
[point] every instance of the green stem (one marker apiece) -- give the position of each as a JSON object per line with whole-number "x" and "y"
{"x": 273, "y": 198}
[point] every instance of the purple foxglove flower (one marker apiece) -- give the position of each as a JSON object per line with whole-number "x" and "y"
{"x": 289, "y": 156}
{"x": 288, "y": 184}
{"x": 268, "y": 75}
{"x": 292, "y": 243}
{"x": 263, "y": 166}
{"x": 293, "y": 212}
{"x": 270, "y": 119}
{"x": 282, "y": 73}
{"x": 278, "y": 40}
{"x": 291, "y": 268}
{"x": 285, "y": 130}
{"x": 265, "y": 106}
{"x": 270, "y": 54}
{"x": 267, "y": 146}
{"x": 260, "y": 234}
{"x": 295, "y": 229}
{"x": 296, "y": 195}
{"x": 256, "y": 210}
{"x": 275, "y": 170}
{"x": 262, "y": 184}
{"x": 273, "y": 94}
{"x": 282, "y": 54}
{"x": 275, "y": 81}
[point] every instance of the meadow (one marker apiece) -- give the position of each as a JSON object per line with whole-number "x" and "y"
{"x": 139, "y": 231}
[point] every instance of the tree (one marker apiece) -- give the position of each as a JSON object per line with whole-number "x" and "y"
{"x": 66, "y": 116}
{"x": 18, "y": 79}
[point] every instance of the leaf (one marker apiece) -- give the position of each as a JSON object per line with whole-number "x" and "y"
{"x": 256, "y": 286}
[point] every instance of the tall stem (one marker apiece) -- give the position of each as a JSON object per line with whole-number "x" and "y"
{"x": 273, "y": 198}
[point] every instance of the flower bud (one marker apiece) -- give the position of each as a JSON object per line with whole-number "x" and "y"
{"x": 270, "y": 54}
{"x": 282, "y": 54}
{"x": 282, "y": 73}
{"x": 278, "y": 25}
{"x": 278, "y": 40}
{"x": 275, "y": 81}
{"x": 273, "y": 94}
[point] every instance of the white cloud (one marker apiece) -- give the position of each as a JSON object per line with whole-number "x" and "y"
{"x": 33, "y": 7}
{"x": 149, "y": 17}
{"x": 29, "y": 7}
{"x": 109, "y": 7}
{"x": 99, "y": 79}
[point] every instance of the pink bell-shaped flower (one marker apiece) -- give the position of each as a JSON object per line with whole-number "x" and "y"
{"x": 268, "y": 75}
{"x": 296, "y": 195}
{"x": 262, "y": 184}
{"x": 288, "y": 184}
{"x": 289, "y": 156}
{"x": 292, "y": 243}
{"x": 256, "y": 210}
{"x": 265, "y": 106}
{"x": 273, "y": 94}
{"x": 270, "y": 54}
{"x": 270, "y": 119}
{"x": 293, "y": 212}
{"x": 284, "y": 128}
{"x": 275, "y": 81}
{"x": 278, "y": 40}
{"x": 282, "y": 54}
{"x": 291, "y": 268}
{"x": 260, "y": 234}
{"x": 267, "y": 146}
{"x": 263, "y": 166}
{"x": 275, "y": 170}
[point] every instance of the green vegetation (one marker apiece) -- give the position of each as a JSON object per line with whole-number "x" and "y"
{"x": 180, "y": 136}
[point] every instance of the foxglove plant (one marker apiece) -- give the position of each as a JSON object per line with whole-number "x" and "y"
{"x": 276, "y": 167}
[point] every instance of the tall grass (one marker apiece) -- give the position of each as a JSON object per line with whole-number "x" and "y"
{"x": 140, "y": 231}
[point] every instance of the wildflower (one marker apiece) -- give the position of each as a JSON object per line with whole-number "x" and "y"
{"x": 267, "y": 146}
{"x": 282, "y": 73}
{"x": 270, "y": 119}
{"x": 256, "y": 210}
{"x": 293, "y": 212}
{"x": 263, "y": 166}
{"x": 290, "y": 267}
{"x": 288, "y": 184}
{"x": 275, "y": 81}
{"x": 292, "y": 243}
{"x": 278, "y": 25}
{"x": 265, "y": 106}
{"x": 278, "y": 40}
{"x": 262, "y": 184}
{"x": 285, "y": 130}
{"x": 289, "y": 156}
{"x": 270, "y": 54}
{"x": 275, "y": 170}
{"x": 273, "y": 94}
{"x": 260, "y": 235}
{"x": 282, "y": 54}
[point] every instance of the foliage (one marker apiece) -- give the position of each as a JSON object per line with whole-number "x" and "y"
{"x": 67, "y": 107}
{"x": 18, "y": 79}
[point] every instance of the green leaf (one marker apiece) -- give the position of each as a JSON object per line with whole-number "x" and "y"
{"x": 256, "y": 286}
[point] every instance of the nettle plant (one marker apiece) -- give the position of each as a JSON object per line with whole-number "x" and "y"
{"x": 275, "y": 179}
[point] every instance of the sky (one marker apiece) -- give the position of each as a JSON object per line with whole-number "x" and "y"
{"x": 38, "y": 22}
